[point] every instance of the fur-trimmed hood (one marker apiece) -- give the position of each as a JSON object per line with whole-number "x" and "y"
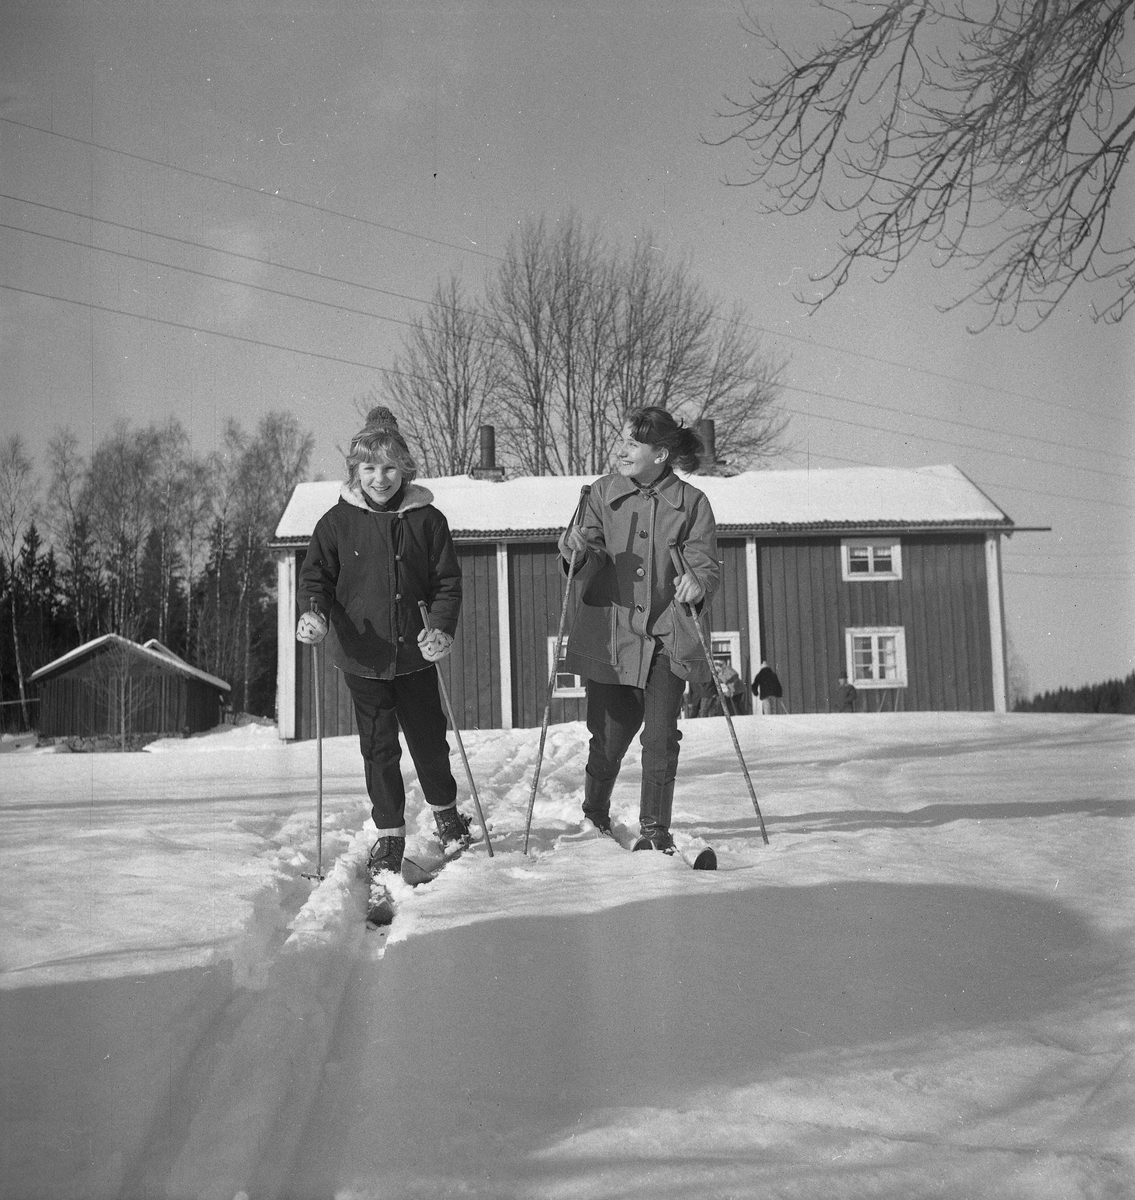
{"x": 415, "y": 496}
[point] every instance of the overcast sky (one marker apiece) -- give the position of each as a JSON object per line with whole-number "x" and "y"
{"x": 207, "y": 147}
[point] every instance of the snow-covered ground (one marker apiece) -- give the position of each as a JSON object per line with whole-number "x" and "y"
{"x": 921, "y": 987}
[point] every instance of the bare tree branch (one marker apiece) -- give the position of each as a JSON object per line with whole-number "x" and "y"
{"x": 995, "y": 131}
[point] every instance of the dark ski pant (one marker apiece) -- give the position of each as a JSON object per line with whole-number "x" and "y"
{"x": 412, "y": 702}
{"x": 616, "y": 712}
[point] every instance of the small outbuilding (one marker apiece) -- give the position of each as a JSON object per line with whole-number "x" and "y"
{"x": 889, "y": 576}
{"x": 112, "y": 685}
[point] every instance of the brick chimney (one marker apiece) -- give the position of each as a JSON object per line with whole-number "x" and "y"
{"x": 488, "y": 469}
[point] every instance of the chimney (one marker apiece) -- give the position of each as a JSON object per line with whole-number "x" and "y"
{"x": 704, "y": 430}
{"x": 488, "y": 468}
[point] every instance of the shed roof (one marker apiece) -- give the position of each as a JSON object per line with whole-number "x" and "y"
{"x": 165, "y": 658}
{"x": 851, "y": 499}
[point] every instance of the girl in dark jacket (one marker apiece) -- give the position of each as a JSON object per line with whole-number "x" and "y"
{"x": 630, "y": 642}
{"x": 371, "y": 559}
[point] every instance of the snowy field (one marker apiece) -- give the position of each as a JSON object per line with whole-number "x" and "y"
{"x": 921, "y": 988}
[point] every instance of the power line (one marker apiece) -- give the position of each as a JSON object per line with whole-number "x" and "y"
{"x": 1012, "y": 487}
{"x": 252, "y": 258}
{"x": 236, "y": 337}
{"x": 401, "y": 321}
{"x": 939, "y": 374}
{"x": 91, "y": 306}
{"x": 790, "y": 387}
{"x": 925, "y": 437}
{"x": 260, "y": 287}
{"x": 244, "y": 187}
{"x": 499, "y": 258}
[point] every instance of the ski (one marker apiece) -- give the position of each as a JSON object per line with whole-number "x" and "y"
{"x": 381, "y": 906}
{"x": 706, "y": 859}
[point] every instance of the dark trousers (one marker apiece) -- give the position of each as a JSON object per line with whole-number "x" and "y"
{"x": 616, "y": 712}
{"x": 412, "y": 702}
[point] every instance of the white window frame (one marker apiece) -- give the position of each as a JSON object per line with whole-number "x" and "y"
{"x": 733, "y": 637}
{"x": 577, "y": 690}
{"x": 874, "y": 632}
{"x": 871, "y": 545}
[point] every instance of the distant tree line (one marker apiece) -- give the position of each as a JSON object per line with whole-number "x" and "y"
{"x": 148, "y": 540}
{"x": 1114, "y": 696}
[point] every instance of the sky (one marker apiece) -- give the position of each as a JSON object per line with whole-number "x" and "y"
{"x": 274, "y": 191}
{"x": 919, "y": 987}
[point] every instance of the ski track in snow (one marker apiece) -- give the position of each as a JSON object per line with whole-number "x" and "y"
{"x": 216, "y": 884}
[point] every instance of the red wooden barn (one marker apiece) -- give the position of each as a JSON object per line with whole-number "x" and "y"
{"x": 890, "y": 576}
{"x": 110, "y": 680}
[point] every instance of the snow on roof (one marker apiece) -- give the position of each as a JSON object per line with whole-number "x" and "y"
{"x": 166, "y": 657}
{"x": 850, "y": 497}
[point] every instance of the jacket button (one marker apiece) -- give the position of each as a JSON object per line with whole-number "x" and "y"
{"x": 639, "y": 608}
{"x": 401, "y": 639}
{"x": 642, "y": 533}
{"x": 640, "y": 572}
{"x": 397, "y": 595}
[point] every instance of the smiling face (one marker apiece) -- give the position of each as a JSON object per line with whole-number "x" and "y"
{"x": 638, "y": 460}
{"x": 380, "y": 479}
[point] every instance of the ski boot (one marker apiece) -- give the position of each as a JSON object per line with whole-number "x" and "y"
{"x": 597, "y": 802}
{"x": 386, "y": 855}
{"x": 452, "y": 827}
{"x": 655, "y": 839}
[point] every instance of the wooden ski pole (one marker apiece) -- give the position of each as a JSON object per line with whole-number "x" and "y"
{"x": 317, "y": 672}
{"x": 423, "y": 608}
{"x": 584, "y": 492}
{"x": 680, "y": 566}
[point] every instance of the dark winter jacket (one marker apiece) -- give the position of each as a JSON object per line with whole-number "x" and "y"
{"x": 366, "y": 570}
{"x": 766, "y": 685}
{"x": 626, "y": 604}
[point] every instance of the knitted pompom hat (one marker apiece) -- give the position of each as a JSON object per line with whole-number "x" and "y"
{"x": 380, "y": 417}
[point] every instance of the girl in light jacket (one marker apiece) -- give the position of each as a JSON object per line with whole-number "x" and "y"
{"x": 630, "y": 642}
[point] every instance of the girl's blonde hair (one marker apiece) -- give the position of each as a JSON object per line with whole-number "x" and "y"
{"x": 379, "y": 439}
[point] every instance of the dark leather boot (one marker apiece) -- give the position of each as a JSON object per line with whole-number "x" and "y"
{"x": 597, "y": 802}
{"x": 655, "y": 804}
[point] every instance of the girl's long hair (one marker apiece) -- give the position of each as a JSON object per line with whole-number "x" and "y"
{"x": 379, "y": 439}
{"x": 656, "y": 427}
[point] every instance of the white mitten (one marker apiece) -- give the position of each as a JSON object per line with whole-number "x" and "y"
{"x": 434, "y": 644}
{"x": 312, "y": 628}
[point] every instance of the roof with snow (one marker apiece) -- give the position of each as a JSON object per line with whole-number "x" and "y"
{"x": 153, "y": 650}
{"x": 851, "y": 499}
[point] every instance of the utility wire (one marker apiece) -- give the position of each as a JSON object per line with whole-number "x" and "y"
{"x": 334, "y": 358}
{"x": 925, "y": 437}
{"x": 1011, "y": 487}
{"x": 168, "y": 266}
{"x": 411, "y": 324}
{"x": 245, "y": 187}
{"x": 252, "y": 258}
{"x": 499, "y": 258}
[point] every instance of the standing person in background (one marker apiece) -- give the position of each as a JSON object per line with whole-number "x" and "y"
{"x": 844, "y": 697}
{"x": 372, "y": 557}
{"x": 767, "y": 689}
{"x": 629, "y": 641}
{"x": 731, "y": 685}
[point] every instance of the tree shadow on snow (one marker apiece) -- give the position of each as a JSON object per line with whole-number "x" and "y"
{"x": 544, "y": 1021}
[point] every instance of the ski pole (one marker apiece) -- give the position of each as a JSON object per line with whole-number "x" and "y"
{"x": 317, "y": 663}
{"x": 457, "y": 734}
{"x": 584, "y": 492}
{"x": 681, "y": 567}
